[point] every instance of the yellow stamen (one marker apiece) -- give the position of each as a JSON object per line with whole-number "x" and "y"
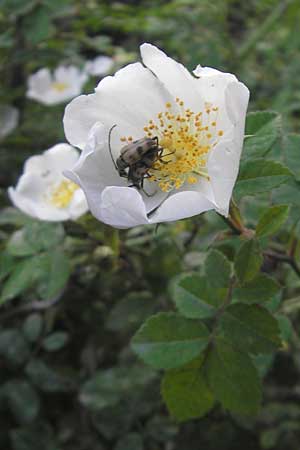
{"x": 60, "y": 87}
{"x": 63, "y": 194}
{"x": 185, "y": 138}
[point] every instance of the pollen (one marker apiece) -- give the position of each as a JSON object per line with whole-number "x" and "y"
{"x": 185, "y": 140}
{"x": 62, "y": 195}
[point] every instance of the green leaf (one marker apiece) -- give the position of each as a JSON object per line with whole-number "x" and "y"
{"x": 7, "y": 263}
{"x": 259, "y": 290}
{"x": 34, "y": 436}
{"x": 217, "y": 269}
{"x": 55, "y": 341}
{"x": 13, "y": 216}
{"x": 108, "y": 387}
{"x": 186, "y": 393}
{"x": 22, "y": 400}
{"x": 44, "y": 235}
{"x": 45, "y": 378}
{"x": 19, "y": 246}
{"x": 13, "y": 346}
{"x": 193, "y": 297}
{"x": 131, "y": 441}
{"x": 167, "y": 340}
{"x": 35, "y": 237}
{"x": 291, "y": 145}
{"x": 131, "y": 311}
{"x": 22, "y": 277}
{"x": 54, "y": 273}
{"x": 260, "y": 175}
{"x": 248, "y": 260}
{"x": 288, "y": 193}
{"x": 272, "y": 220}
{"x": 264, "y": 128}
{"x": 17, "y": 7}
{"x": 38, "y": 25}
{"x": 250, "y": 328}
{"x": 32, "y": 327}
{"x": 263, "y": 363}
{"x": 286, "y": 327}
{"x": 233, "y": 378}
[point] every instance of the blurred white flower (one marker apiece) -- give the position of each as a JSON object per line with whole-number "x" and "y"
{"x": 99, "y": 66}
{"x": 42, "y": 190}
{"x": 199, "y": 124}
{"x": 9, "y": 117}
{"x": 65, "y": 83}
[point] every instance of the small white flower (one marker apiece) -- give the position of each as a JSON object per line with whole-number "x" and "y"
{"x": 65, "y": 83}
{"x": 9, "y": 117}
{"x": 42, "y": 190}
{"x": 99, "y": 66}
{"x": 199, "y": 123}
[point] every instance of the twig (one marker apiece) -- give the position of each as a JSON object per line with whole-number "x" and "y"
{"x": 284, "y": 258}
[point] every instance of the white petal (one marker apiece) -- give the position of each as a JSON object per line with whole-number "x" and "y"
{"x": 57, "y": 158}
{"x": 78, "y": 205}
{"x": 175, "y": 77}
{"x": 39, "y": 82}
{"x": 237, "y": 98}
{"x": 122, "y": 207}
{"x": 71, "y": 76}
{"x": 181, "y": 205}
{"x": 95, "y": 168}
{"x": 211, "y": 72}
{"x": 21, "y": 202}
{"x": 223, "y": 167}
{"x": 28, "y": 196}
{"x": 224, "y": 159}
{"x": 128, "y": 99}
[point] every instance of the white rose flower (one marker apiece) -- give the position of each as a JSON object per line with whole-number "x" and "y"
{"x": 42, "y": 190}
{"x": 65, "y": 83}
{"x": 199, "y": 124}
{"x": 99, "y": 66}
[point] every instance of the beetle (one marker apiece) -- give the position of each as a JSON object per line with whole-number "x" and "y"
{"x": 136, "y": 159}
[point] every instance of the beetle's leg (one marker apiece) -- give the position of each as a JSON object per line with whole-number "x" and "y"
{"x": 141, "y": 188}
{"x": 146, "y": 193}
{"x": 160, "y": 156}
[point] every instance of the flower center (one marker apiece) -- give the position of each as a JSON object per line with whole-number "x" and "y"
{"x": 62, "y": 195}
{"x": 60, "y": 87}
{"x": 185, "y": 139}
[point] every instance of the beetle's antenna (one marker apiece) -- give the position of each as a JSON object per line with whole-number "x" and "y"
{"x": 109, "y": 147}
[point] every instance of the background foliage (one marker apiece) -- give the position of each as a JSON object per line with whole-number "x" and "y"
{"x": 73, "y": 295}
